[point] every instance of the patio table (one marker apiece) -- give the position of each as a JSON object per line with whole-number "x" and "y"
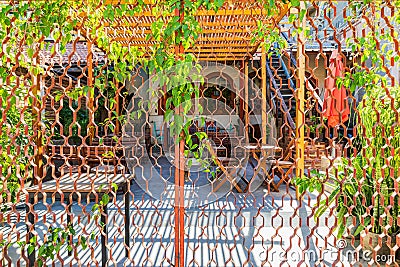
{"x": 81, "y": 185}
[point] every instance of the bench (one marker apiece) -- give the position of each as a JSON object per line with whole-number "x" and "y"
{"x": 81, "y": 185}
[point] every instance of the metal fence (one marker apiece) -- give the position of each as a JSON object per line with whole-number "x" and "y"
{"x": 291, "y": 154}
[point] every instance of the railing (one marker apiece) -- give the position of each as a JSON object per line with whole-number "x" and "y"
{"x": 293, "y": 63}
{"x": 280, "y": 97}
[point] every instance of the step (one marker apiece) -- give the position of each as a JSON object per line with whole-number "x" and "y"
{"x": 287, "y": 96}
{"x": 279, "y": 79}
{"x": 286, "y": 87}
{"x": 282, "y": 92}
{"x": 279, "y": 71}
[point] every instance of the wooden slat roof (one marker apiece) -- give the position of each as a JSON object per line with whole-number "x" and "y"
{"x": 226, "y": 34}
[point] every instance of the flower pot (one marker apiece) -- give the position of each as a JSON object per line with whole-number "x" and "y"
{"x": 351, "y": 228}
{"x": 337, "y": 151}
{"x": 370, "y": 241}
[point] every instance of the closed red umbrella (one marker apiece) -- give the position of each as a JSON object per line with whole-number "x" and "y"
{"x": 336, "y": 107}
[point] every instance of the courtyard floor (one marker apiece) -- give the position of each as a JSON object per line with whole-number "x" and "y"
{"x": 221, "y": 229}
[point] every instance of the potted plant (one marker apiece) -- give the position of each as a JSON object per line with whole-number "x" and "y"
{"x": 381, "y": 148}
{"x": 343, "y": 183}
{"x": 363, "y": 187}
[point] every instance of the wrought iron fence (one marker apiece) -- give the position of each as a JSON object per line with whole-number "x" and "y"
{"x": 290, "y": 155}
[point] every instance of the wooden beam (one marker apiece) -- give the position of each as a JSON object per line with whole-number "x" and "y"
{"x": 211, "y": 24}
{"x": 180, "y": 161}
{"x": 145, "y": 18}
{"x": 221, "y": 12}
{"x": 140, "y": 33}
{"x": 90, "y": 94}
{"x": 37, "y": 127}
{"x": 221, "y": 55}
{"x": 142, "y": 22}
{"x": 233, "y": 45}
{"x": 117, "y": 109}
{"x": 200, "y": 39}
{"x": 300, "y": 94}
{"x": 221, "y": 58}
{"x": 240, "y": 94}
{"x": 219, "y": 50}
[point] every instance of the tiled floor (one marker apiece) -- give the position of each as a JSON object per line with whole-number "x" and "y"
{"x": 257, "y": 228}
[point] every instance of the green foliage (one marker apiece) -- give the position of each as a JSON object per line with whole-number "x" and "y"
{"x": 24, "y": 25}
{"x": 381, "y": 148}
{"x": 379, "y": 131}
{"x": 31, "y": 22}
{"x": 73, "y": 127}
{"x": 314, "y": 124}
{"x": 98, "y": 208}
{"x": 15, "y": 131}
{"x": 54, "y": 240}
{"x": 363, "y": 187}
{"x": 351, "y": 193}
{"x": 377, "y": 46}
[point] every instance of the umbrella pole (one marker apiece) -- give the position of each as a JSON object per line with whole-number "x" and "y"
{"x": 300, "y": 102}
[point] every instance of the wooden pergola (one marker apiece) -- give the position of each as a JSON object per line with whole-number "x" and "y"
{"x": 227, "y": 35}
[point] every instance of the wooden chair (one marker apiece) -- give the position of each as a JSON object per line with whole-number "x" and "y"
{"x": 313, "y": 155}
{"x": 101, "y": 159}
{"x": 283, "y": 166}
{"x": 63, "y": 158}
{"x": 227, "y": 170}
{"x": 284, "y": 170}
